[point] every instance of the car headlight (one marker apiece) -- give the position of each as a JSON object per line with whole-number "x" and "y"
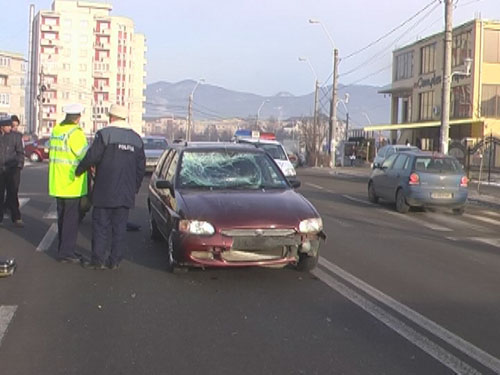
{"x": 314, "y": 225}
{"x": 196, "y": 227}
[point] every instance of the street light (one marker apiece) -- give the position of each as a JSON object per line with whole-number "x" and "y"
{"x": 258, "y": 112}
{"x": 445, "y": 123}
{"x": 190, "y": 110}
{"x": 333, "y": 102}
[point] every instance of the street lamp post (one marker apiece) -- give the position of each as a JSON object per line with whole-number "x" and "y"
{"x": 258, "y": 113}
{"x": 190, "y": 110}
{"x": 315, "y": 116}
{"x": 333, "y": 107}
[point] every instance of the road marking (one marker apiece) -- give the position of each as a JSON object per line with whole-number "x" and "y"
{"x": 425, "y": 224}
{"x": 490, "y": 241}
{"x": 51, "y": 212}
{"x": 315, "y": 186}
{"x": 451, "y": 219}
{"x": 6, "y": 315}
{"x": 417, "y": 339}
{"x": 481, "y": 218}
{"x": 49, "y": 237}
{"x": 358, "y": 200}
{"x": 492, "y": 213}
{"x": 22, "y": 202}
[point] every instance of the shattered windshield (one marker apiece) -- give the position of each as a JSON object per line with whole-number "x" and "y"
{"x": 276, "y": 151}
{"x": 229, "y": 170}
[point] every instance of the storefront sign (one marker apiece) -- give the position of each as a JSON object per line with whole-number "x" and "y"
{"x": 428, "y": 82}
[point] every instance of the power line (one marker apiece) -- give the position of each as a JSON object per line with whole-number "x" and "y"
{"x": 390, "y": 32}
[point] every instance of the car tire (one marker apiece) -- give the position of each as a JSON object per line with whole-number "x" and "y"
{"x": 458, "y": 211}
{"x": 372, "y": 197}
{"x": 154, "y": 232}
{"x": 171, "y": 263}
{"x": 401, "y": 205}
{"x": 306, "y": 262}
{"x": 35, "y": 158}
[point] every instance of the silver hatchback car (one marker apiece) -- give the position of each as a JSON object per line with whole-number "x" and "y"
{"x": 420, "y": 179}
{"x": 386, "y": 151}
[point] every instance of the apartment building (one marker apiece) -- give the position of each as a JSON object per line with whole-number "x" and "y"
{"x": 12, "y": 85}
{"x": 81, "y": 53}
{"x": 417, "y": 87}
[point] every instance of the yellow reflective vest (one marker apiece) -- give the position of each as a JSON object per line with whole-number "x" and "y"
{"x": 67, "y": 147}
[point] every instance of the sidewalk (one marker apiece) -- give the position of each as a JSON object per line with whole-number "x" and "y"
{"x": 488, "y": 194}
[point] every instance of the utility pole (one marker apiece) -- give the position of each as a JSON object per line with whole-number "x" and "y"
{"x": 347, "y": 126}
{"x": 445, "y": 99}
{"x": 315, "y": 124}
{"x": 190, "y": 118}
{"x": 41, "y": 100}
{"x": 332, "y": 144}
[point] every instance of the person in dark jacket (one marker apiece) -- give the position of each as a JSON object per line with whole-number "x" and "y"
{"x": 11, "y": 161}
{"x": 12, "y": 194}
{"x": 118, "y": 156}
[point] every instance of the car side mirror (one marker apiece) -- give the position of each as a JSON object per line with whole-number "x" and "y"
{"x": 376, "y": 165}
{"x": 295, "y": 184}
{"x": 164, "y": 184}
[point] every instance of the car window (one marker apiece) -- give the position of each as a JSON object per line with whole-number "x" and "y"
{"x": 276, "y": 151}
{"x": 159, "y": 166}
{"x": 400, "y": 162}
{"x": 390, "y": 151}
{"x": 407, "y": 164}
{"x": 172, "y": 167}
{"x": 229, "y": 170}
{"x": 382, "y": 151}
{"x": 164, "y": 168}
{"x": 431, "y": 164}
{"x": 389, "y": 161}
{"x": 155, "y": 143}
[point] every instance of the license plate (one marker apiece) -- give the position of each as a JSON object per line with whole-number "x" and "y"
{"x": 441, "y": 195}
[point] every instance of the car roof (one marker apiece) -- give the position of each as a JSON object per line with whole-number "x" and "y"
{"x": 215, "y": 146}
{"x": 154, "y": 137}
{"x": 258, "y": 140}
{"x": 434, "y": 154}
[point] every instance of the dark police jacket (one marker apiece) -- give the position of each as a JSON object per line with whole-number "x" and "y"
{"x": 117, "y": 152}
{"x": 11, "y": 151}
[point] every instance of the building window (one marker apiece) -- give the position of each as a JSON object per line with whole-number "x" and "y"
{"x": 83, "y": 82}
{"x": 82, "y": 53}
{"x": 461, "y": 48}
{"x": 490, "y": 104}
{"x": 84, "y": 24}
{"x": 66, "y": 38}
{"x": 66, "y": 66}
{"x": 65, "y": 95}
{"x": 461, "y": 105}
{"x": 404, "y": 66}
{"x": 426, "y": 100}
{"x": 492, "y": 46}
{"x": 4, "y": 61}
{"x": 83, "y": 67}
{"x": 428, "y": 59}
{"x": 66, "y": 23}
{"x": 83, "y": 39}
{"x": 3, "y": 80}
{"x": 4, "y": 99}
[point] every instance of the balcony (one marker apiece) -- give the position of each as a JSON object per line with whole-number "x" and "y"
{"x": 101, "y": 74}
{"x": 102, "y": 88}
{"x": 49, "y": 116}
{"x": 103, "y": 60}
{"x": 49, "y": 27}
{"x": 103, "y": 46}
{"x": 49, "y": 42}
{"x": 102, "y": 31}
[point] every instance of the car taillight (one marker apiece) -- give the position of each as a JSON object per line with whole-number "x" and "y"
{"x": 464, "y": 181}
{"x": 414, "y": 179}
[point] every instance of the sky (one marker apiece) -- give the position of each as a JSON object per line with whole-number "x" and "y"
{"x": 254, "y": 45}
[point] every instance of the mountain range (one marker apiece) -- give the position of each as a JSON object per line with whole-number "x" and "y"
{"x": 217, "y": 103}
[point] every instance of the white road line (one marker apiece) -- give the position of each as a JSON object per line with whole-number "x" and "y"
{"x": 6, "y": 315}
{"x": 315, "y": 186}
{"x": 490, "y": 241}
{"x": 51, "y": 212}
{"x": 431, "y": 348}
{"x": 49, "y": 237}
{"x": 453, "y": 220}
{"x": 492, "y": 213}
{"x": 425, "y": 224}
{"x": 481, "y": 218}
{"x": 22, "y": 202}
{"x": 358, "y": 200}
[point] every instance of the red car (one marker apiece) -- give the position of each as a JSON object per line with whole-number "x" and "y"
{"x": 38, "y": 150}
{"x": 229, "y": 205}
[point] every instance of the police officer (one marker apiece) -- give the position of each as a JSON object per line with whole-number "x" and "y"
{"x": 66, "y": 148}
{"x": 117, "y": 153}
{"x": 11, "y": 160}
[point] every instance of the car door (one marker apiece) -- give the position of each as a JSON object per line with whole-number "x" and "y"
{"x": 157, "y": 195}
{"x": 383, "y": 179}
{"x": 395, "y": 175}
{"x": 169, "y": 204}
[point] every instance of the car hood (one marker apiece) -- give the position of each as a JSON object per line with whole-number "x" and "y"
{"x": 153, "y": 153}
{"x": 249, "y": 209}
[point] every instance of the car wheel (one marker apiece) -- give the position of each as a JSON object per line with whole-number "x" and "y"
{"x": 401, "y": 205}
{"x": 154, "y": 232}
{"x": 307, "y": 263}
{"x": 170, "y": 252}
{"x": 458, "y": 211}
{"x": 372, "y": 197}
{"x": 34, "y": 157}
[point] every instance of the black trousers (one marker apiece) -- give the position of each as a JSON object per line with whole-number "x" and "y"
{"x": 108, "y": 223}
{"x": 68, "y": 213}
{"x": 9, "y": 182}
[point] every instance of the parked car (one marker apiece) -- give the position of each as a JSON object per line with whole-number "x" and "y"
{"x": 386, "y": 151}
{"x": 153, "y": 148}
{"x": 38, "y": 150}
{"x": 229, "y": 205}
{"x": 416, "y": 178}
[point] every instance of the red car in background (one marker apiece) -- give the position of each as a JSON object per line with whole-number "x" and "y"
{"x": 37, "y": 150}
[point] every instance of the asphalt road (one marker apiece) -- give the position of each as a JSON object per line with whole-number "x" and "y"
{"x": 394, "y": 294}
